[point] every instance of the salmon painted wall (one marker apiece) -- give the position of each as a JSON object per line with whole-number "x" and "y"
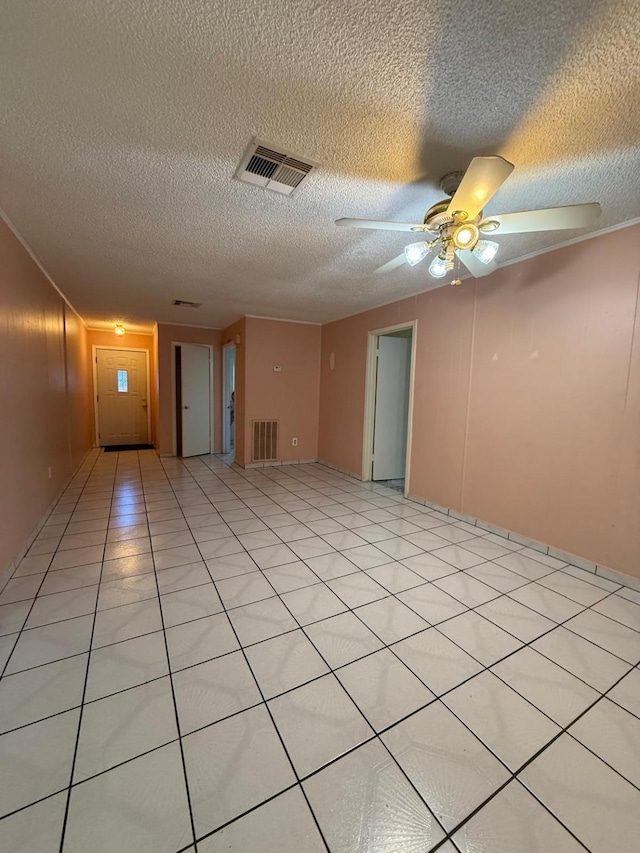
{"x": 236, "y": 334}
{"x": 527, "y": 397}
{"x": 45, "y": 394}
{"x": 101, "y": 338}
{"x": 291, "y": 396}
{"x": 168, "y": 334}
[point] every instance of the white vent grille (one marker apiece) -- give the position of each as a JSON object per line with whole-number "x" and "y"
{"x": 274, "y": 169}
{"x": 265, "y": 441}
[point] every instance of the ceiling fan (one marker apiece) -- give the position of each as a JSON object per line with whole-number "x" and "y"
{"x": 458, "y": 226}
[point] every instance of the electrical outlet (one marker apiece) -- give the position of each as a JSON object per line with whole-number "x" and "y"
{"x": 294, "y": 442}
{"x": 277, "y": 368}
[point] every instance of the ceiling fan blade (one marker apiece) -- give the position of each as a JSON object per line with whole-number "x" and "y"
{"x": 481, "y": 181}
{"x": 475, "y": 266}
{"x": 391, "y": 265}
{"x": 548, "y": 219}
{"x": 381, "y": 224}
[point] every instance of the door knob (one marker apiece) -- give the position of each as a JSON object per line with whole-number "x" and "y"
{"x": 185, "y": 407}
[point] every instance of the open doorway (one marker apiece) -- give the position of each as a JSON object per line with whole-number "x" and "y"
{"x": 389, "y": 400}
{"x": 228, "y": 398}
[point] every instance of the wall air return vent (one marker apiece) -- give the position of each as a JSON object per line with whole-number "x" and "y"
{"x": 273, "y": 168}
{"x": 183, "y": 303}
{"x": 265, "y": 441}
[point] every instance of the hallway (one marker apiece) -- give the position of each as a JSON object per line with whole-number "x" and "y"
{"x": 286, "y": 659}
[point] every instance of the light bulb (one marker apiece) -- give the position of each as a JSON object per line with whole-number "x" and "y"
{"x": 466, "y": 236}
{"x": 415, "y": 252}
{"x": 119, "y": 329}
{"x": 485, "y": 251}
{"x": 438, "y": 267}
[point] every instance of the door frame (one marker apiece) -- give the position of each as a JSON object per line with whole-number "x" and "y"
{"x": 370, "y": 398}
{"x": 225, "y": 380}
{"x": 174, "y": 418}
{"x": 94, "y": 363}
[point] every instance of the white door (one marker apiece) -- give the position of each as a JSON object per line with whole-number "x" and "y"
{"x": 121, "y": 397}
{"x": 195, "y": 375}
{"x": 392, "y": 408}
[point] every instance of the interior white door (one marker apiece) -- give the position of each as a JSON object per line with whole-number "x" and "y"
{"x": 121, "y": 397}
{"x": 195, "y": 383}
{"x": 392, "y": 408}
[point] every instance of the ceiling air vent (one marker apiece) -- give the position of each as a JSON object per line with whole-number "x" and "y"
{"x": 183, "y": 303}
{"x": 274, "y": 169}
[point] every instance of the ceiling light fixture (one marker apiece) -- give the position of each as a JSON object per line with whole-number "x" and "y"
{"x": 466, "y": 236}
{"x": 416, "y": 252}
{"x": 485, "y": 251}
{"x": 438, "y": 267}
{"x": 119, "y": 329}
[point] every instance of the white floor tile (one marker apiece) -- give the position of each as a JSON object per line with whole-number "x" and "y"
{"x": 432, "y": 603}
{"x": 127, "y": 591}
{"x": 124, "y": 726}
{"x": 391, "y": 620}
{"x": 13, "y": 616}
{"x": 614, "y": 735}
{"x": 627, "y": 692}
{"x": 343, "y": 639}
{"x": 593, "y": 801}
{"x": 285, "y": 662}
{"x": 589, "y": 662}
{"x": 139, "y": 806}
{"x": 233, "y": 766}
{"x": 438, "y": 662}
{"x": 357, "y": 589}
{"x": 51, "y": 643}
{"x": 127, "y": 664}
{"x": 48, "y": 609}
{"x": 36, "y": 761}
{"x": 126, "y": 622}
{"x": 521, "y": 621}
{"x": 395, "y": 577}
{"x": 466, "y": 589}
{"x": 37, "y": 829}
{"x": 452, "y": 771}
{"x": 479, "y": 637}
{"x": 318, "y": 722}
{"x": 213, "y": 690}
{"x": 29, "y": 696}
{"x": 290, "y": 577}
{"x": 515, "y": 822}
{"x": 622, "y": 610}
{"x": 331, "y": 566}
{"x": 612, "y": 636}
{"x": 230, "y": 565}
{"x": 363, "y": 802}
{"x": 312, "y": 603}
{"x": 262, "y": 620}
{"x": 505, "y": 722}
{"x": 283, "y": 825}
{"x": 200, "y": 640}
{"x": 549, "y": 687}
{"x": 383, "y": 688}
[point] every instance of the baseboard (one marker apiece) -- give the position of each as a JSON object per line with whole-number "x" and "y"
{"x": 12, "y": 565}
{"x": 559, "y": 554}
{"x": 348, "y": 473}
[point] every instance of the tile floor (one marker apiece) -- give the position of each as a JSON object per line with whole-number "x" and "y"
{"x": 281, "y": 660}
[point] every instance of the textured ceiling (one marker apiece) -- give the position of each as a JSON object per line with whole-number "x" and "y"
{"x": 123, "y": 123}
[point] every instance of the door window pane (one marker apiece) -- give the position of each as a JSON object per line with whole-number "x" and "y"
{"x": 123, "y": 382}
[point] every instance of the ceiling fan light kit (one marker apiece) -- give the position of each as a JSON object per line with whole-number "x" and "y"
{"x": 458, "y": 223}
